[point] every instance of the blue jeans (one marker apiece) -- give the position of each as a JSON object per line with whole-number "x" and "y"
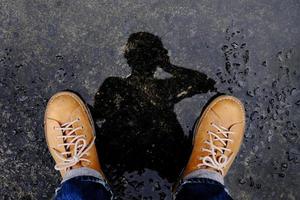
{"x": 90, "y": 188}
{"x": 201, "y": 189}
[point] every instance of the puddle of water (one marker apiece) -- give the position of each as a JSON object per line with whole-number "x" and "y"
{"x": 140, "y": 141}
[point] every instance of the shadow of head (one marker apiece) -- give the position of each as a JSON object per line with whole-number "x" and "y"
{"x": 144, "y": 52}
{"x": 137, "y": 126}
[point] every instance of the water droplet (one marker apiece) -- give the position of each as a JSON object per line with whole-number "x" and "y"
{"x": 236, "y": 64}
{"x": 279, "y": 56}
{"x": 250, "y": 93}
{"x": 59, "y": 57}
{"x": 281, "y": 175}
{"x": 254, "y": 116}
{"x": 284, "y": 166}
{"x": 224, "y": 47}
{"x": 289, "y": 54}
{"x": 251, "y": 182}
{"x": 274, "y": 84}
{"x": 241, "y": 83}
{"x": 234, "y": 45}
{"x": 258, "y": 186}
{"x": 228, "y": 67}
{"x": 293, "y": 91}
{"x": 246, "y": 56}
{"x": 256, "y": 91}
{"x": 242, "y": 181}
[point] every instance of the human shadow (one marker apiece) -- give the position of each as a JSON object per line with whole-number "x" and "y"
{"x": 137, "y": 126}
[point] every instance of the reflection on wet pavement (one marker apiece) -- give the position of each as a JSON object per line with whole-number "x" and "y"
{"x": 138, "y": 129}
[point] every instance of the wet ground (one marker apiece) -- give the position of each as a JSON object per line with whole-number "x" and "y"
{"x": 147, "y": 89}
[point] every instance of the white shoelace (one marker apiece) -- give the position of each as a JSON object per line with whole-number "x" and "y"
{"x": 211, "y": 160}
{"x": 81, "y": 147}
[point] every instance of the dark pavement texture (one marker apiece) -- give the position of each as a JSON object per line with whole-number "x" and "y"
{"x": 251, "y": 49}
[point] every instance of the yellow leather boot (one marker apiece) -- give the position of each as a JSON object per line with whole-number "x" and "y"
{"x": 218, "y": 136}
{"x": 70, "y": 133}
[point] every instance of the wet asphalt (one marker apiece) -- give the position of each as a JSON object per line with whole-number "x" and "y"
{"x": 147, "y": 69}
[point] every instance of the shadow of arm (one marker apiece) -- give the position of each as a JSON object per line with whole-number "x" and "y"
{"x": 187, "y": 82}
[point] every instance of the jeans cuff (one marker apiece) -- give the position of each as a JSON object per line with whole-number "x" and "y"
{"x": 196, "y": 181}
{"x": 201, "y": 176}
{"x": 83, "y": 171}
{"x": 204, "y": 173}
{"x": 87, "y": 177}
